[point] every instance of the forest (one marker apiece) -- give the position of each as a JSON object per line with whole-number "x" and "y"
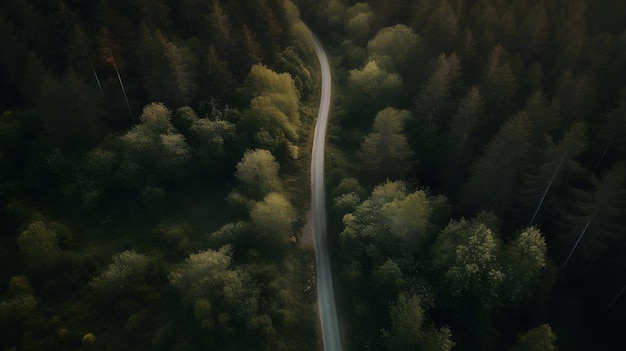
{"x": 154, "y": 174}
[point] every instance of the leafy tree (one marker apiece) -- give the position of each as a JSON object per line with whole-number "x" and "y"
{"x": 540, "y": 338}
{"x": 39, "y": 246}
{"x": 393, "y": 47}
{"x": 258, "y": 173}
{"x": 385, "y": 152}
{"x": 127, "y": 270}
{"x": 273, "y": 218}
{"x": 153, "y": 200}
{"x": 408, "y": 330}
{"x": 525, "y": 258}
{"x": 372, "y": 88}
{"x": 466, "y": 253}
{"x": 155, "y": 144}
{"x": 389, "y": 223}
{"x": 207, "y": 275}
{"x": 359, "y": 23}
{"x": 273, "y": 118}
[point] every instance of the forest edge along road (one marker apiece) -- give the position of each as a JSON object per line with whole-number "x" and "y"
{"x": 325, "y": 293}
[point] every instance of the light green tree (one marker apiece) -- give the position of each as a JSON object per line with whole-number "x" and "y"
{"x": 126, "y": 272}
{"x": 257, "y": 172}
{"x": 409, "y": 331}
{"x": 394, "y": 47}
{"x": 373, "y": 87}
{"x": 273, "y": 218}
{"x": 540, "y": 338}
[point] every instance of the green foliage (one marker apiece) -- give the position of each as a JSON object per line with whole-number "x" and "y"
{"x": 408, "y": 330}
{"x": 495, "y": 175}
{"x": 257, "y": 173}
{"x": 385, "y": 152}
{"x": 155, "y": 144}
{"x": 154, "y": 201}
{"x": 273, "y": 118}
{"x": 372, "y": 88}
{"x": 390, "y": 219}
{"x": 540, "y": 338}
{"x": 39, "y": 247}
{"x": 125, "y": 273}
{"x": 396, "y": 45}
{"x": 167, "y": 69}
{"x": 273, "y": 218}
{"x": 359, "y": 22}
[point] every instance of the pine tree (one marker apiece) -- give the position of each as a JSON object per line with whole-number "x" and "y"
{"x": 495, "y": 175}
{"x": 558, "y": 162}
{"x": 596, "y": 215}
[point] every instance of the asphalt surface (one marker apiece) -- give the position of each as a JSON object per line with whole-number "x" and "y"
{"x": 325, "y": 293}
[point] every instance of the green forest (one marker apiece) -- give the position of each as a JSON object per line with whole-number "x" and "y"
{"x": 155, "y": 185}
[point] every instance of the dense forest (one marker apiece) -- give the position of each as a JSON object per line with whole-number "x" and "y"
{"x": 154, "y": 164}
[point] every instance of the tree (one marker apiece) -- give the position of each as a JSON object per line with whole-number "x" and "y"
{"x": 385, "y": 152}
{"x": 499, "y": 82}
{"x": 155, "y": 144}
{"x": 390, "y": 223}
{"x": 407, "y": 331}
{"x": 393, "y": 47}
{"x": 273, "y": 218}
{"x": 219, "y": 28}
{"x": 559, "y": 162}
{"x": 466, "y": 253}
{"x": 611, "y": 133}
{"x": 461, "y": 135}
{"x": 108, "y": 48}
{"x": 525, "y": 257}
{"x": 359, "y": 23}
{"x": 258, "y": 173}
{"x": 434, "y": 98}
{"x": 127, "y": 270}
{"x": 540, "y": 338}
{"x": 70, "y": 109}
{"x": 206, "y": 276}
{"x": 595, "y": 215}
{"x": 372, "y": 88}
{"x": 167, "y": 69}
{"x": 273, "y": 119}
{"x": 39, "y": 246}
{"x": 495, "y": 175}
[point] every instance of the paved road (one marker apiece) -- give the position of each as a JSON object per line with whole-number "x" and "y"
{"x": 325, "y": 294}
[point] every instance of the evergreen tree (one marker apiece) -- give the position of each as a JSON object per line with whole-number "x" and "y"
{"x": 494, "y": 177}
{"x": 385, "y": 152}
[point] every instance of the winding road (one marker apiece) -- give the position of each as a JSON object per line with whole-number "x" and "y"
{"x": 325, "y": 293}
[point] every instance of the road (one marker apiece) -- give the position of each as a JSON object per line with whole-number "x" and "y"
{"x": 325, "y": 293}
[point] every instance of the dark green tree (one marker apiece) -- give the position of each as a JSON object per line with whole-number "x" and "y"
{"x": 385, "y": 152}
